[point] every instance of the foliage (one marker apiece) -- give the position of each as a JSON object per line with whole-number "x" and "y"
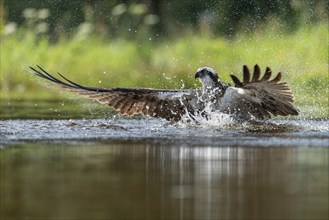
{"x": 161, "y": 19}
{"x": 302, "y": 57}
{"x": 160, "y": 44}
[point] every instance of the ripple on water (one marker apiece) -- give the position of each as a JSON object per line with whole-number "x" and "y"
{"x": 286, "y": 133}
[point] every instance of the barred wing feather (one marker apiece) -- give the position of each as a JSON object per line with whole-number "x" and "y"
{"x": 168, "y": 104}
{"x": 259, "y": 97}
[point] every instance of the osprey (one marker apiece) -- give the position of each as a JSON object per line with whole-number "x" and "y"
{"x": 251, "y": 98}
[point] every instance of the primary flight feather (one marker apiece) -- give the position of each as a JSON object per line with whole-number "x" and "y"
{"x": 252, "y": 98}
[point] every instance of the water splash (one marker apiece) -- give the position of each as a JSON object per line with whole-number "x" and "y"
{"x": 215, "y": 120}
{"x": 166, "y": 77}
{"x": 271, "y": 133}
{"x": 221, "y": 121}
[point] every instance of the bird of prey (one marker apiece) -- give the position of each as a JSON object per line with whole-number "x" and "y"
{"x": 252, "y": 98}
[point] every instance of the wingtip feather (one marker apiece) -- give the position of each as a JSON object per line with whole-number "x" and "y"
{"x": 246, "y": 74}
{"x": 256, "y": 74}
{"x": 267, "y": 75}
{"x": 236, "y": 81}
{"x": 277, "y": 78}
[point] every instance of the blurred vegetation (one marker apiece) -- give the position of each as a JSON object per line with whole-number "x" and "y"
{"x": 160, "y": 19}
{"x": 160, "y": 44}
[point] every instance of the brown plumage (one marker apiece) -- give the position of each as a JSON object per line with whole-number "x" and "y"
{"x": 168, "y": 104}
{"x": 263, "y": 97}
{"x": 254, "y": 97}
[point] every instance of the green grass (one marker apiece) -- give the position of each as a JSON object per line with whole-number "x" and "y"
{"x": 302, "y": 57}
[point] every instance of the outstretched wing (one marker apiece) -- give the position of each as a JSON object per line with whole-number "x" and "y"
{"x": 259, "y": 97}
{"x": 168, "y": 104}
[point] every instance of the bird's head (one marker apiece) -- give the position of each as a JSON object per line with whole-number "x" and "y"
{"x": 208, "y": 77}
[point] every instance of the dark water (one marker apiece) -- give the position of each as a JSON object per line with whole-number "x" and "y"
{"x": 149, "y": 169}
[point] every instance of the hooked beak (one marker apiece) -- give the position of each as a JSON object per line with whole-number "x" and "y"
{"x": 198, "y": 75}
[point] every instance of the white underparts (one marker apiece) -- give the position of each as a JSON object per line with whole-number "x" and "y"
{"x": 207, "y": 82}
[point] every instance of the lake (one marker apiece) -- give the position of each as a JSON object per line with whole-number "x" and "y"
{"x": 60, "y": 160}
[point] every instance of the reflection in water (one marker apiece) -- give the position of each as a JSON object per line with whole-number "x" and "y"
{"x": 140, "y": 181}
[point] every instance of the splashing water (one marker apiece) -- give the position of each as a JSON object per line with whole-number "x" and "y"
{"x": 166, "y": 77}
{"x": 217, "y": 129}
{"x": 213, "y": 120}
{"x": 290, "y": 133}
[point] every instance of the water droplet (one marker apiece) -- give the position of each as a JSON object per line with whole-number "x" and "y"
{"x": 166, "y": 77}
{"x": 182, "y": 84}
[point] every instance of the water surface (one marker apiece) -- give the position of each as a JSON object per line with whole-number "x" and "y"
{"x": 117, "y": 168}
